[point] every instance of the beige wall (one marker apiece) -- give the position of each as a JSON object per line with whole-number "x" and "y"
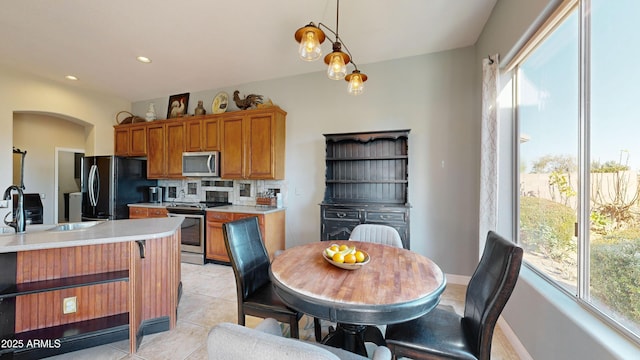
{"x": 433, "y": 95}
{"x": 21, "y": 92}
{"x": 40, "y": 135}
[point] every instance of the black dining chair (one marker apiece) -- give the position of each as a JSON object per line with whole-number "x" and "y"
{"x": 250, "y": 263}
{"x": 442, "y": 333}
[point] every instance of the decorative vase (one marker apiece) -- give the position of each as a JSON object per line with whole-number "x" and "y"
{"x": 151, "y": 112}
{"x": 200, "y": 109}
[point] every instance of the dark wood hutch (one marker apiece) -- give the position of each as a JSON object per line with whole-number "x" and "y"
{"x": 366, "y": 181}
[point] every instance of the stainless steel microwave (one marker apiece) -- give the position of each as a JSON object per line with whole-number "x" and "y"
{"x": 204, "y": 163}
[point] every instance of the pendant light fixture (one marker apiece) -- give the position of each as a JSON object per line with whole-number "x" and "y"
{"x": 311, "y": 37}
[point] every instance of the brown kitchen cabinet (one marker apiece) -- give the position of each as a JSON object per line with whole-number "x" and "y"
{"x": 130, "y": 140}
{"x": 272, "y": 227}
{"x": 253, "y": 144}
{"x": 165, "y": 142}
{"x": 202, "y": 134}
{"x": 138, "y": 212}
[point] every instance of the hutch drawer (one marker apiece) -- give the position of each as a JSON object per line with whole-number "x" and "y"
{"x": 385, "y": 216}
{"x": 341, "y": 214}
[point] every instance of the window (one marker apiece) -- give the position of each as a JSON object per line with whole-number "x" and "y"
{"x": 579, "y": 158}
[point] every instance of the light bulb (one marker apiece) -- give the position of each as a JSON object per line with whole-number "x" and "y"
{"x": 337, "y": 68}
{"x": 309, "y": 49}
{"x": 356, "y": 85}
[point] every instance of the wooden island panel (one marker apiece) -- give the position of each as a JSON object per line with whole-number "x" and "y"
{"x": 37, "y": 265}
{"x": 159, "y": 268}
{"x": 122, "y": 290}
{"x": 43, "y": 310}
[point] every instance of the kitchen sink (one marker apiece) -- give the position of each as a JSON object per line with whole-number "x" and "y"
{"x": 6, "y": 230}
{"x": 74, "y": 226}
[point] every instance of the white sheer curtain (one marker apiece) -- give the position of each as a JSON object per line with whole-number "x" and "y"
{"x": 489, "y": 148}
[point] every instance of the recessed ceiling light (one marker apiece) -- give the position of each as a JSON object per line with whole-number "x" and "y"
{"x": 71, "y": 77}
{"x": 143, "y": 59}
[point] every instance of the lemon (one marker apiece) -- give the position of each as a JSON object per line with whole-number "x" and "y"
{"x": 359, "y": 256}
{"x": 348, "y": 250}
{"x": 343, "y": 247}
{"x": 350, "y": 259}
{"x": 338, "y": 257}
{"x": 334, "y": 248}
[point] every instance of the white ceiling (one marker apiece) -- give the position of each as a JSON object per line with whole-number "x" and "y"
{"x": 206, "y": 44}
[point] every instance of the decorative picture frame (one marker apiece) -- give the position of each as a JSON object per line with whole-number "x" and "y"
{"x": 178, "y": 105}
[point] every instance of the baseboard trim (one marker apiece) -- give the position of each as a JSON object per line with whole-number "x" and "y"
{"x": 511, "y": 336}
{"x": 457, "y": 279}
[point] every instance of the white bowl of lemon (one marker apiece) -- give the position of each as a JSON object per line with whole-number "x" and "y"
{"x": 345, "y": 256}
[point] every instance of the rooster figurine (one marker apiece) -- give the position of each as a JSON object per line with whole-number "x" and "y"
{"x": 250, "y": 101}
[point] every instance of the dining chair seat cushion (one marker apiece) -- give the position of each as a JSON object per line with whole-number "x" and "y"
{"x": 265, "y": 299}
{"x": 437, "y": 331}
{"x": 265, "y": 342}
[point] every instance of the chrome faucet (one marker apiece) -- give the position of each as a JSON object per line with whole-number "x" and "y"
{"x": 19, "y": 222}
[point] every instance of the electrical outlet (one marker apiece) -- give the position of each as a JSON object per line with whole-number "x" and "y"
{"x": 69, "y": 305}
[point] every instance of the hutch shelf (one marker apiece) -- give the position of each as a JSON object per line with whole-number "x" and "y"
{"x": 366, "y": 181}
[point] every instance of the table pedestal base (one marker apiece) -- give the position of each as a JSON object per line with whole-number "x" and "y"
{"x": 352, "y": 337}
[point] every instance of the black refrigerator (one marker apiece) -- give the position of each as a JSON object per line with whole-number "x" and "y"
{"x": 109, "y": 183}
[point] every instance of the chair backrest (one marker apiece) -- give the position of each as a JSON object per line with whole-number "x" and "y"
{"x": 381, "y": 234}
{"x": 249, "y": 258}
{"x": 489, "y": 289}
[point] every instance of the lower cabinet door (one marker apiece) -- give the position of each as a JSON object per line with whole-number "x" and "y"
{"x": 215, "y": 242}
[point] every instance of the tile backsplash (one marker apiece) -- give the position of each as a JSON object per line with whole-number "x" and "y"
{"x": 238, "y": 192}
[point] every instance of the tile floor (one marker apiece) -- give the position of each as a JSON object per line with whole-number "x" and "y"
{"x": 209, "y": 297}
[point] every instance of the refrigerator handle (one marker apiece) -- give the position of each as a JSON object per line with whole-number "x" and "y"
{"x": 90, "y": 185}
{"x": 93, "y": 187}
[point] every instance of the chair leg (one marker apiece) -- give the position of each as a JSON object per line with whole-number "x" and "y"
{"x": 317, "y": 329}
{"x": 240, "y": 318}
{"x": 293, "y": 325}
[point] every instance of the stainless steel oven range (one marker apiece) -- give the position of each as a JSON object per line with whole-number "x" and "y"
{"x": 193, "y": 229}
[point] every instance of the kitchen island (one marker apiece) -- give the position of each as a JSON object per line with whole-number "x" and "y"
{"x": 64, "y": 288}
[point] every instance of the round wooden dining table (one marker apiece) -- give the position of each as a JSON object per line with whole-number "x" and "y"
{"x": 396, "y": 285}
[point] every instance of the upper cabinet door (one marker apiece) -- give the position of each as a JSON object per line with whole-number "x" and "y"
{"x": 193, "y": 135}
{"x": 253, "y": 145}
{"x": 174, "y": 145}
{"x": 261, "y": 139}
{"x": 202, "y": 134}
{"x": 155, "y": 157}
{"x": 232, "y": 156}
{"x": 166, "y": 145}
{"x": 130, "y": 140}
{"x": 211, "y": 131}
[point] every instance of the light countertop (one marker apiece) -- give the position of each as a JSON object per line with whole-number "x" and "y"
{"x": 247, "y": 209}
{"x": 39, "y": 237}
